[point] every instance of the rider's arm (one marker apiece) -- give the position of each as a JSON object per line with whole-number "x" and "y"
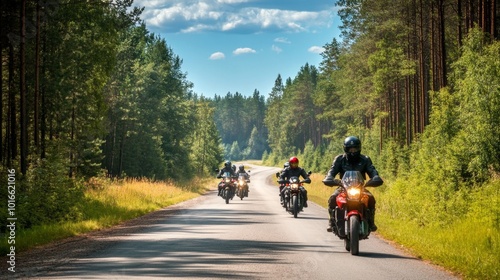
{"x": 334, "y": 169}
{"x": 373, "y": 173}
{"x": 283, "y": 176}
{"x": 305, "y": 176}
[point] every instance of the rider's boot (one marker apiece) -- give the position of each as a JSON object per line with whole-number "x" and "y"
{"x": 330, "y": 221}
{"x": 371, "y": 219}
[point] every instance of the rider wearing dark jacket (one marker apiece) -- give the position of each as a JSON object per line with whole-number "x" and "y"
{"x": 295, "y": 170}
{"x": 353, "y": 160}
{"x": 227, "y": 168}
{"x": 282, "y": 186}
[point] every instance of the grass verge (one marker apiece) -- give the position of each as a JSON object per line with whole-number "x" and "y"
{"x": 110, "y": 204}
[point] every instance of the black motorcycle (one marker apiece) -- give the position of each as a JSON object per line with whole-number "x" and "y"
{"x": 293, "y": 198}
{"x": 242, "y": 186}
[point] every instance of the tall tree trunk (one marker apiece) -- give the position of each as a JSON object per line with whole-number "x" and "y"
{"x": 72, "y": 148}
{"x": 460, "y": 22}
{"x": 1, "y": 103}
{"x": 421, "y": 62}
{"x": 22, "y": 88}
{"x": 12, "y": 132}
{"x": 37, "y": 82}
{"x": 442, "y": 44}
{"x": 43, "y": 122}
{"x": 493, "y": 8}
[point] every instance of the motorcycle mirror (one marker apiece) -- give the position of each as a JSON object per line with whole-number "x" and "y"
{"x": 248, "y": 171}
{"x": 309, "y": 173}
{"x": 216, "y": 169}
{"x": 277, "y": 174}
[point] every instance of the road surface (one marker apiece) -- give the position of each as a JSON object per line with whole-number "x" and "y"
{"x": 253, "y": 238}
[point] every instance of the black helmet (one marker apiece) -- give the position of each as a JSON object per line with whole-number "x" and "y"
{"x": 241, "y": 168}
{"x": 227, "y": 164}
{"x": 352, "y": 148}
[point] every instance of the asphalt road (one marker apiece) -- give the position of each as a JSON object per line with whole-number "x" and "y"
{"x": 253, "y": 238}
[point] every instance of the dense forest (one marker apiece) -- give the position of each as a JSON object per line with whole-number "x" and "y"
{"x": 87, "y": 90}
{"x": 406, "y": 74}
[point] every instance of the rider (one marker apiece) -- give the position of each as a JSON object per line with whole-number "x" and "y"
{"x": 227, "y": 168}
{"x": 241, "y": 171}
{"x": 295, "y": 170}
{"x": 353, "y": 160}
{"x": 281, "y": 194}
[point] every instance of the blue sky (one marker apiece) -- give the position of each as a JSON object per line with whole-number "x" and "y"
{"x": 242, "y": 45}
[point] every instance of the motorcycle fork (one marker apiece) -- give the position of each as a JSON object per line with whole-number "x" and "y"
{"x": 363, "y": 224}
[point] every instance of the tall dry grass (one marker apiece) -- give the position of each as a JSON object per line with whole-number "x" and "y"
{"x": 109, "y": 203}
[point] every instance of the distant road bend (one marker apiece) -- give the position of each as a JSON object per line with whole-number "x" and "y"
{"x": 253, "y": 238}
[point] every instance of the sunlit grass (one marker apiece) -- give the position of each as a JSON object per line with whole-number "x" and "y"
{"x": 109, "y": 204}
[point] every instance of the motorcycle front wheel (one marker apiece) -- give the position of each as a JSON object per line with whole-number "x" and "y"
{"x": 295, "y": 203}
{"x": 227, "y": 196}
{"x": 354, "y": 234}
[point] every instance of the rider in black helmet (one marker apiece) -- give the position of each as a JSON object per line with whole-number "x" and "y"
{"x": 281, "y": 193}
{"x": 353, "y": 160}
{"x": 241, "y": 170}
{"x": 227, "y": 168}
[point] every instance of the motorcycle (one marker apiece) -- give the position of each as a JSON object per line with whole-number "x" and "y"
{"x": 228, "y": 185}
{"x": 293, "y": 197}
{"x": 242, "y": 185}
{"x": 350, "y": 218}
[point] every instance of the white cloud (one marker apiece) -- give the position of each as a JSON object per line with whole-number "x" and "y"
{"x": 232, "y": 1}
{"x": 282, "y": 40}
{"x": 276, "y": 49}
{"x": 316, "y": 49}
{"x": 241, "y": 16}
{"x": 239, "y": 51}
{"x": 217, "y": 55}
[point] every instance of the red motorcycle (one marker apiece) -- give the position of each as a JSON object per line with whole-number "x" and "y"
{"x": 227, "y": 186}
{"x": 350, "y": 219}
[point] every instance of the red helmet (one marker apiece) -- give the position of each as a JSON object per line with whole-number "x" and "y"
{"x": 294, "y": 162}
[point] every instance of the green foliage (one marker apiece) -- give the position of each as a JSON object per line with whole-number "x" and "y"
{"x": 240, "y": 120}
{"x": 478, "y": 91}
{"x": 206, "y": 143}
{"x": 46, "y": 194}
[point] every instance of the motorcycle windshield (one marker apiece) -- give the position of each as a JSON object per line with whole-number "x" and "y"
{"x": 294, "y": 180}
{"x": 352, "y": 179}
{"x": 227, "y": 174}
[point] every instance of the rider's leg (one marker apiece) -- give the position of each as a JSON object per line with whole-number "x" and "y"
{"x": 331, "y": 206}
{"x": 371, "y": 211}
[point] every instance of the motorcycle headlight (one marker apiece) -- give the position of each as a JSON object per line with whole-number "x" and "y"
{"x": 227, "y": 180}
{"x": 294, "y": 186}
{"x": 354, "y": 193}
